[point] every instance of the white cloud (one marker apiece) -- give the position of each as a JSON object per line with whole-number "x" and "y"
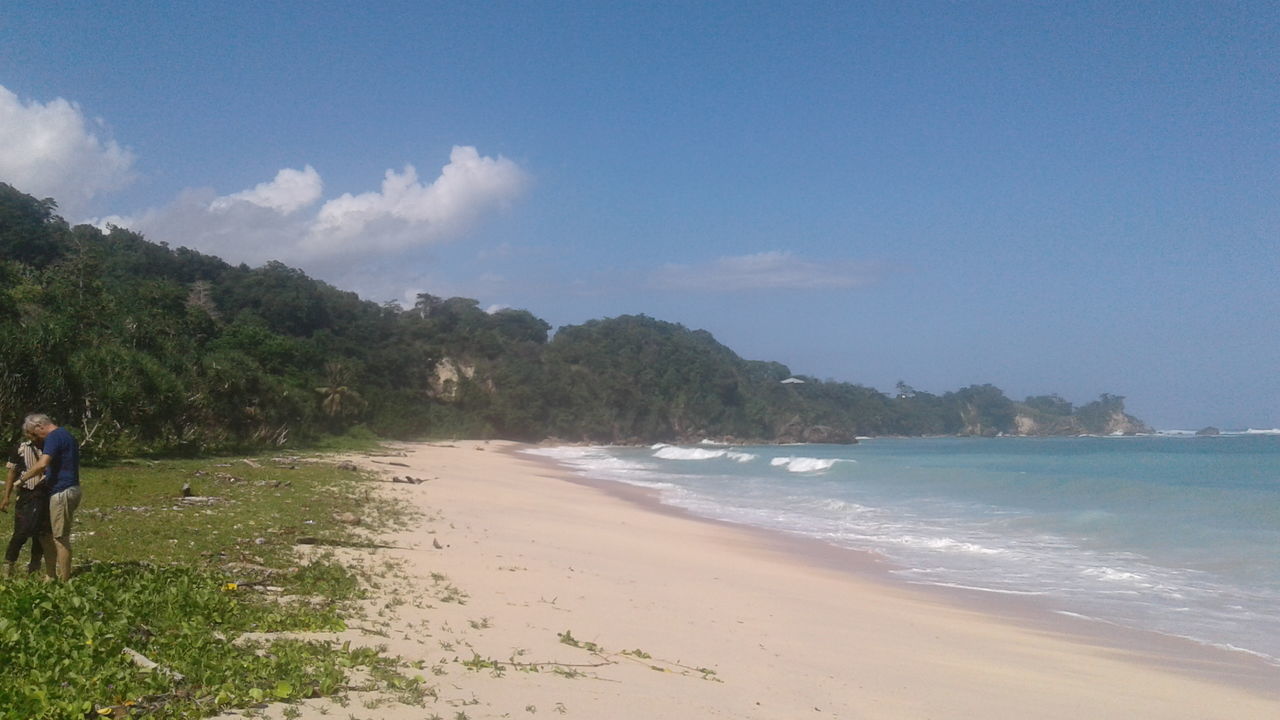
{"x": 51, "y": 150}
{"x": 406, "y": 212}
{"x": 774, "y": 270}
{"x": 268, "y": 221}
{"x": 290, "y": 191}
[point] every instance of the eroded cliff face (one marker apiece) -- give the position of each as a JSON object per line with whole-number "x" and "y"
{"x": 1124, "y": 424}
{"x": 1026, "y": 425}
{"x": 971, "y": 418}
{"x": 445, "y": 383}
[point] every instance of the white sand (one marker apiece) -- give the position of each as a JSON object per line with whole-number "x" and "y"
{"x": 787, "y": 635}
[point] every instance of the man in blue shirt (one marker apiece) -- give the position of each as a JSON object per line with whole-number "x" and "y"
{"x": 60, "y": 463}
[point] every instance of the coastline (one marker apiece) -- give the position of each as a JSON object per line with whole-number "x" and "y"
{"x": 1240, "y": 668}
{"x": 591, "y": 599}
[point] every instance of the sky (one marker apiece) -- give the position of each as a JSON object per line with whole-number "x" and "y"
{"x": 1070, "y": 198}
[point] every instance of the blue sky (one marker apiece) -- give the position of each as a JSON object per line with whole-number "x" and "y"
{"x": 1050, "y": 197}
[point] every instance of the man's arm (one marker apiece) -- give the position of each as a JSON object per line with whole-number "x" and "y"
{"x": 36, "y": 469}
{"x": 10, "y": 478}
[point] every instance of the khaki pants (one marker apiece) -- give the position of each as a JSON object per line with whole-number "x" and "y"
{"x": 62, "y": 507}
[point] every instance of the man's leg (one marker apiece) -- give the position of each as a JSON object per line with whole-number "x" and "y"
{"x": 62, "y": 507}
{"x": 12, "y": 551}
{"x": 37, "y": 554}
{"x": 63, "y": 552}
{"x": 50, "y": 556}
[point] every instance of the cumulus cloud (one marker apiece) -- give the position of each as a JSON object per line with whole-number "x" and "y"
{"x": 269, "y": 221}
{"x": 52, "y": 150}
{"x": 774, "y": 270}
{"x": 290, "y": 191}
{"x": 406, "y": 212}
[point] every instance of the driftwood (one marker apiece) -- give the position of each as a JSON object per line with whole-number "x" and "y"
{"x": 390, "y": 462}
{"x": 147, "y": 663}
{"x": 313, "y": 540}
{"x": 347, "y": 518}
{"x": 199, "y": 500}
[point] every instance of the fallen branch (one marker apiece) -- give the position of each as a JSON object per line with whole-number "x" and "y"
{"x": 147, "y": 663}
{"x": 311, "y": 540}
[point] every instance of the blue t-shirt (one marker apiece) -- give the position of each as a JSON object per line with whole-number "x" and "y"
{"x": 64, "y": 460}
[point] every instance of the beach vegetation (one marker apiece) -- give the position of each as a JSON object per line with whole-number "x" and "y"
{"x": 184, "y": 604}
{"x": 567, "y": 638}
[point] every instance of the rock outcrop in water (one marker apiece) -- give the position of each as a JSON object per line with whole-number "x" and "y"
{"x": 796, "y": 431}
{"x": 1116, "y": 422}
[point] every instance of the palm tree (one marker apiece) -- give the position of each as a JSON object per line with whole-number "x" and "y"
{"x": 338, "y": 398}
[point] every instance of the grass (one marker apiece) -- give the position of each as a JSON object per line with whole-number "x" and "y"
{"x": 241, "y": 513}
{"x": 177, "y": 582}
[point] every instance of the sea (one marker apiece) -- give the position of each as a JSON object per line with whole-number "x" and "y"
{"x": 1170, "y": 533}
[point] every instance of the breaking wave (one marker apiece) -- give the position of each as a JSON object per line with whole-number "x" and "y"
{"x": 671, "y": 452}
{"x": 806, "y": 464}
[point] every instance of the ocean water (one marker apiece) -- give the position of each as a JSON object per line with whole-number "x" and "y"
{"x": 1176, "y": 534}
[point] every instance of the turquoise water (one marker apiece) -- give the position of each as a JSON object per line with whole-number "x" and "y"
{"x": 1175, "y": 534}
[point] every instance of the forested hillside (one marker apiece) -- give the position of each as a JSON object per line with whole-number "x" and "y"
{"x": 143, "y": 348}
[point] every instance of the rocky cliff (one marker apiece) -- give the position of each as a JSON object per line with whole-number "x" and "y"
{"x": 1031, "y": 424}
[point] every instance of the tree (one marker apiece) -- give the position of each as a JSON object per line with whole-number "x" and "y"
{"x": 984, "y": 410}
{"x": 338, "y": 399}
{"x": 30, "y": 232}
{"x": 1049, "y": 404}
{"x": 145, "y": 348}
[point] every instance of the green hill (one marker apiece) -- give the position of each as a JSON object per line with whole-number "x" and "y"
{"x": 145, "y": 348}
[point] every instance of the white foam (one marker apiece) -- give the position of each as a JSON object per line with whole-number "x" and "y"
{"x": 565, "y": 452}
{"x": 805, "y": 464}
{"x": 959, "y": 586}
{"x": 587, "y": 459}
{"x": 1113, "y": 575}
{"x": 843, "y": 506}
{"x": 670, "y": 452}
{"x": 1090, "y": 618}
{"x": 678, "y": 453}
{"x": 947, "y": 544}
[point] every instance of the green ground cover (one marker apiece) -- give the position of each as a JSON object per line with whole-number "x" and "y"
{"x": 179, "y": 581}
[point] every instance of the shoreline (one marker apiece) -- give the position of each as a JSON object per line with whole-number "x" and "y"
{"x": 524, "y": 590}
{"x": 1239, "y": 667}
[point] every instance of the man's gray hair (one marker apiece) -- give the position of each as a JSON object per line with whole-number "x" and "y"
{"x": 35, "y": 420}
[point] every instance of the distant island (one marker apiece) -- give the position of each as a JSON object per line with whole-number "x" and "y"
{"x": 143, "y": 348}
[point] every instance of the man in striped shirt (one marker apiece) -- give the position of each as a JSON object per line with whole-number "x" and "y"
{"x": 30, "y": 511}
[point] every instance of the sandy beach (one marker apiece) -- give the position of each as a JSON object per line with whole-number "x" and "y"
{"x": 522, "y": 592}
